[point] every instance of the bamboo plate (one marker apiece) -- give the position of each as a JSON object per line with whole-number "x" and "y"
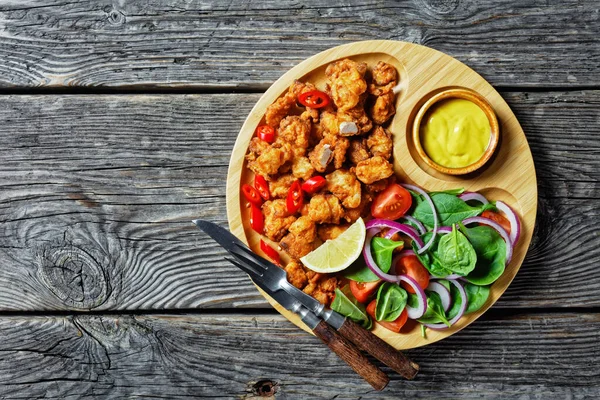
{"x": 509, "y": 176}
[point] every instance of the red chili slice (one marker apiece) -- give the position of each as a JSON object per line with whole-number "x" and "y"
{"x": 314, "y": 184}
{"x": 251, "y": 194}
{"x": 257, "y": 221}
{"x": 295, "y": 198}
{"x": 266, "y": 133}
{"x": 262, "y": 186}
{"x": 270, "y": 252}
{"x": 314, "y": 99}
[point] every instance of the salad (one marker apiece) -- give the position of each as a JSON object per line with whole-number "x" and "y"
{"x": 428, "y": 257}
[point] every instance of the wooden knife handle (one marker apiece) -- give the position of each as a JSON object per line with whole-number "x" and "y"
{"x": 352, "y": 356}
{"x": 379, "y": 349}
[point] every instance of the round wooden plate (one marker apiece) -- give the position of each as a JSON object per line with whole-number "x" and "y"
{"x": 509, "y": 176}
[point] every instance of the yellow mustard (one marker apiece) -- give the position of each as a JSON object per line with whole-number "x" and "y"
{"x": 455, "y": 133}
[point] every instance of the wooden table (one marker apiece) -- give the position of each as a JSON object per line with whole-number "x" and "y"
{"x": 118, "y": 119}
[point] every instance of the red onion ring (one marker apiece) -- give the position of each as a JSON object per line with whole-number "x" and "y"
{"x": 498, "y": 228}
{"x": 443, "y": 292}
{"x": 461, "y": 311}
{"x": 515, "y": 224}
{"x": 413, "y": 312}
{"x": 468, "y": 196}
{"x": 398, "y": 227}
{"x": 445, "y": 229}
{"x": 420, "y": 226}
{"x": 433, "y": 212}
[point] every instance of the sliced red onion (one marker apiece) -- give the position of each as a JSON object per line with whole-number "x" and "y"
{"x": 461, "y": 311}
{"x": 445, "y": 229}
{"x": 433, "y": 212}
{"x": 398, "y": 227}
{"x": 443, "y": 292}
{"x": 515, "y": 224}
{"x": 413, "y": 313}
{"x": 418, "y": 223}
{"x": 498, "y": 228}
{"x": 468, "y": 196}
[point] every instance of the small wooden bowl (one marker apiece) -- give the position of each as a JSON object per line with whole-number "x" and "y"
{"x": 459, "y": 93}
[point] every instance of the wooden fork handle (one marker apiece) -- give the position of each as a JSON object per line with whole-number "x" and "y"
{"x": 379, "y": 349}
{"x": 351, "y": 355}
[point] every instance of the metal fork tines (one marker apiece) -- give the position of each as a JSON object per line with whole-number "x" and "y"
{"x": 272, "y": 273}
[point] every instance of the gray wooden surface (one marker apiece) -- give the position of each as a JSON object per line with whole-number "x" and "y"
{"x": 117, "y": 120}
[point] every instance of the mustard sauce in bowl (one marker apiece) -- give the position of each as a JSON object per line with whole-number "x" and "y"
{"x": 456, "y": 131}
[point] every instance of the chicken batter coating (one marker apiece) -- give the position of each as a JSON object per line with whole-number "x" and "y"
{"x": 280, "y": 187}
{"x": 301, "y": 238}
{"x": 363, "y": 209}
{"x": 373, "y": 169}
{"x": 344, "y": 185}
{"x": 302, "y": 168}
{"x": 325, "y": 209}
{"x": 358, "y": 151}
{"x": 296, "y": 274}
{"x": 330, "y": 231}
{"x": 271, "y": 159}
{"x": 277, "y": 219}
{"x": 346, "y": 82}
{"x": 296, "y": 132}
{"x": 380, "y": 143}
{"x": 383, "y": 108}
{"x": 358, "y": 116}
{"x": 385, "y": 77}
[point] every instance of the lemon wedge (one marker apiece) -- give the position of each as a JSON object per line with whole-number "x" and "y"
{"x": 337, "y": 254}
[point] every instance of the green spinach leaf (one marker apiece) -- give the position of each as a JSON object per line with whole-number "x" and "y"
{"x": 391, "y": 300}
{"x": 345, "y": 304}
{"x": 456, "y": 253}
{"x": 359, "y": 272}
{"x": 491, "y": 254}
{"x": 429, "y": 259}
{"x": 476, "y": 297}
{"x": 382, "y": 250}
{"x": 450, "y": 209}
{"x": 435, "y": 311}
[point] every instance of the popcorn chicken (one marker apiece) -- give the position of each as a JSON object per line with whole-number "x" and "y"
{"x": 358, "y": 116}
{"x": 279, "y": 109}
{"x": 373, "y": 169}
{"x": 302, "y": 168}
{"x": 358, "y": 151}
{"x": 296, "y": 132}
{"x": 385, "y": 77}
{"x": 380, "y": 143}
{"x": 346, "y": 82}
{"x": 383, "y": 108}
{"x": 280, "y": 187}
{"x": 343, "y": 184}
{"x": 301, "y": 238}
{"x": 271, "y": 159}
{"x": 296, "y": 274}
{"x": 363, "y": 209}
{"x": 325, "y": 209}
{"x": 330, "y": 231}
{"x": 277, "y": 219}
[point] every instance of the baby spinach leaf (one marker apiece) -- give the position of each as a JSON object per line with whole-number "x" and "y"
{"x": 491, "y": 254}
{"x": 476, "y": 297}
{"x": 456, "y": 253}
{"x": 382, "y": 253}
{"x": 450, "y": 209}
{"x": 345, "y": 304}
{"x": 391, "y": 300}
{"x": 435, "y": 311}
{"x": 429, "y": 259}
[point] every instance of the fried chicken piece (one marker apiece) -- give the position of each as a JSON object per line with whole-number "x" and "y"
{"x": 378, "y": 186}
{"x": 257, "y": 146}
{"x": 346, "y": 83}
{"x": 380, "y": 143}
{"x": 279, "y": 109}
{"x": 363, "y": 209}
{"x": 329, "y": 123}
{"x": 325, "y": 208}
{"x": 358, "y": 116}
{"x": 329, "y": 148}
{"x": 344, "y": 185}
{"x": 280, "y": 187}
{"x": 323, "y": 289}
{"x": 373, "y": 169}
{"x": 296, "y": 132}
{"x": 277, "y": 219}
{"x": 340, "y": 147}
{"x": 298, "y": 87}
{"x": 301, "y": 238}
{"x": 330, "y": 231}
{"x": 296, "y": 274}
{"x": 271, "y": 159}
{"x": 384, "y": 74}
{"x": 358, "y": 151}
{"x": 383, "y": 108}
{"x": 302, "y": 168}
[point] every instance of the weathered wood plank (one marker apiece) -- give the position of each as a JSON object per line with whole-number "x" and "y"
{"x": 197, "y": 44}
{"x": 96, "y": 195}
{"x": 175, "y": 357}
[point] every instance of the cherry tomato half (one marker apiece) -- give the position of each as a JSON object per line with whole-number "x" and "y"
{"x": 314, "y": 184}
{"x": 394, "y": 325}
{"x": 251, "y": 194}
{"x": 295, "y": 198}
{"x": 270, "y": 252}
{"x": 314, "y": 99}
{"x": 262, "y": 186}
{"x": 363, "y": 290}
{"x": 266, "y": 133}
{"x": 392, "y": 203}
{"x": 257, "y": 221}
{"x": 499, "y": 218}
{"x": 411, "y": 266}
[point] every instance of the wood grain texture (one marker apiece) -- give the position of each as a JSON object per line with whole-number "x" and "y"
{"x": 96, "y": 195}
{"x": 198, "y": 44}
{"x": 177, "y": 357}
